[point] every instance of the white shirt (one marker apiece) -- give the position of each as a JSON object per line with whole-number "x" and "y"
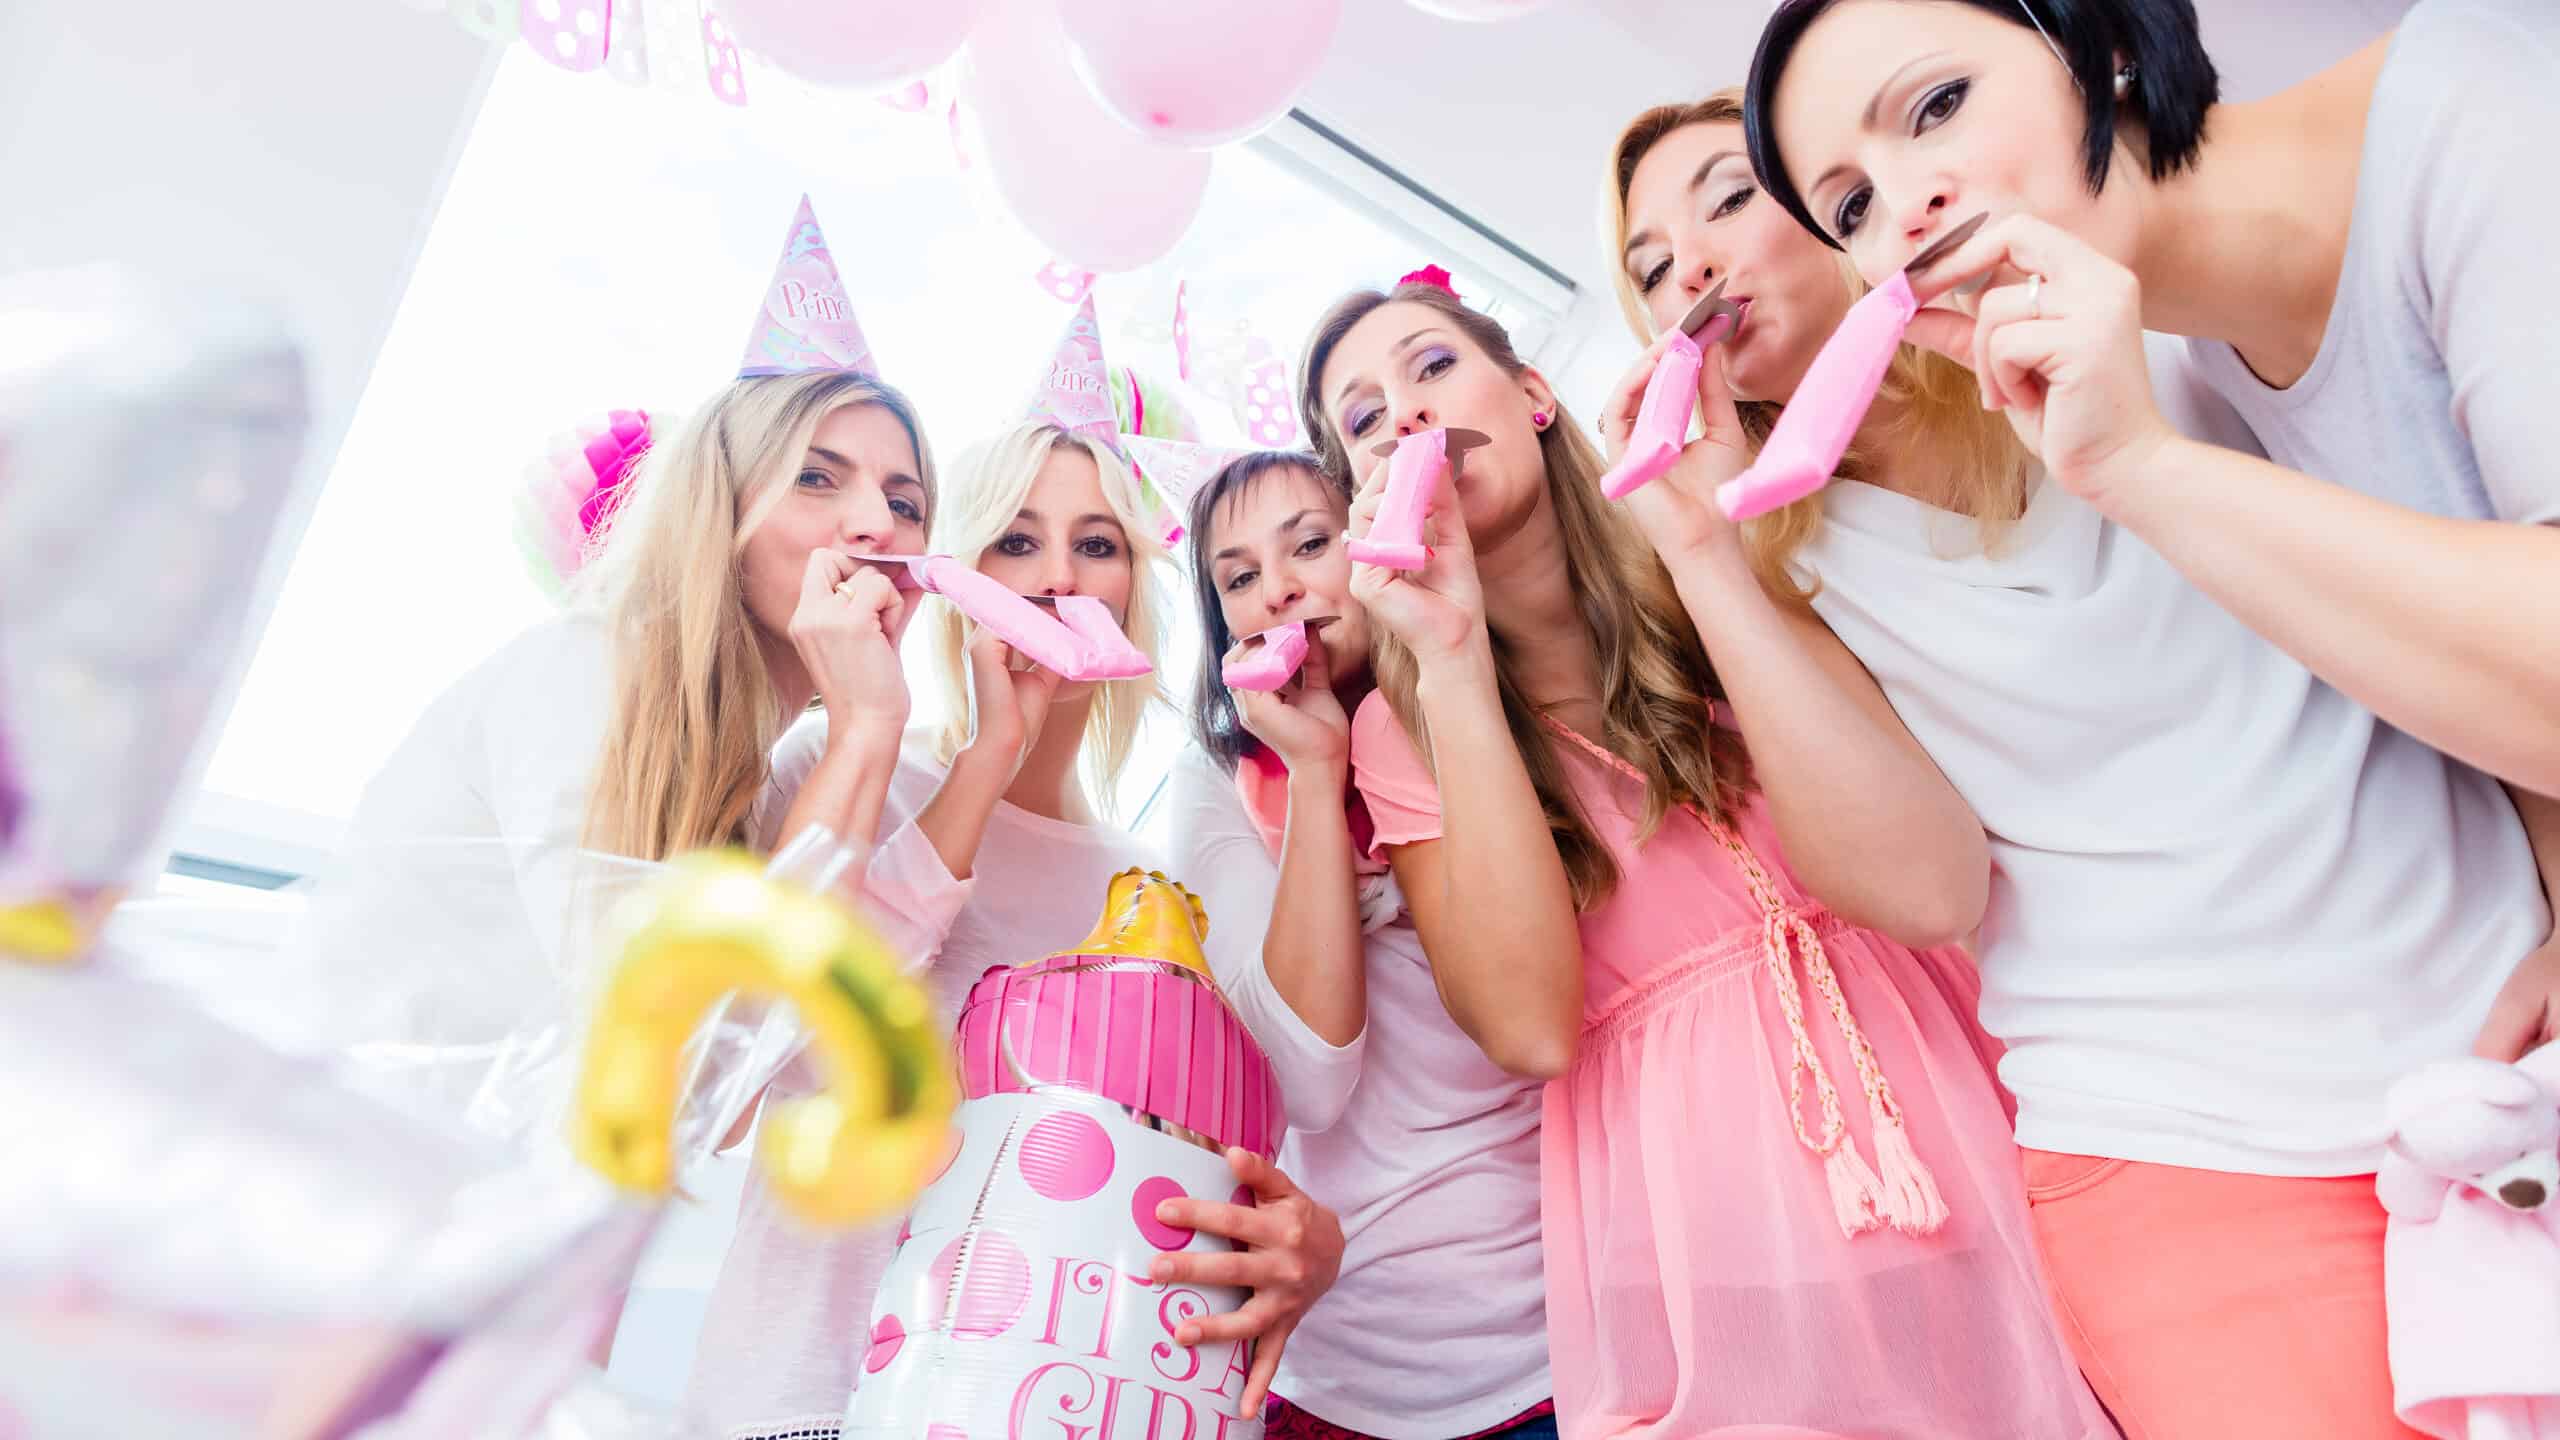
{"x": 1426, "y": 1150}
{"x": 2230, "y": 906}
{"x": 452, "y": 938}
{"x": 2437, "y": 382}
{"x": 791, "y": 1310}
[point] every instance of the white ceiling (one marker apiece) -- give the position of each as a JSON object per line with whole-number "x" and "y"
{"x": 1511, "y": 122}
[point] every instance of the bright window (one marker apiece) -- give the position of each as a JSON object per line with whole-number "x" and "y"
{"x": 602, "y": 246}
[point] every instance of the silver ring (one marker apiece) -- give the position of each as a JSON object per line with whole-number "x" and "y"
{"x": 2035, "y": 297}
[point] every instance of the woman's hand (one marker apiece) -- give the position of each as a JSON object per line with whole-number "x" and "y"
{"x": 845, "y": 630}
{"x": 2057, "y": 344}
{"x": 1291, "y": 1252}
{"x": 1438, "y": 610}
{"x": 1303, "y": 721}
{"x": 1011, "y": 696}
{"x": 1677, "y": 512}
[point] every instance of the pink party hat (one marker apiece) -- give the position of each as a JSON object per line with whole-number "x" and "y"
{"x": 1171, "y": 472}
{"x": 1075, "y": 391}
{"x": 806, "y": 322}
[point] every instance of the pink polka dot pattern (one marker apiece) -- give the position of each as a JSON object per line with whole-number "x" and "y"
{"x": 1142, "y": 1208}
{"x": 720, "y": 61}
{"x": 1064, "y": 281}
{"x": 992, "y": 1292}
{"x": 1065, "y": 1157}
{"x": 887, "y": 1338}
{"x": 572, "y": 34}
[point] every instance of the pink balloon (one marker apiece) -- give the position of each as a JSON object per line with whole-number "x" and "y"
{"x": 1094, "y": 193}
{"x": 1202, "y": 72}
{"x": 853, "y": 44}
{"x": 1478, "y": 9}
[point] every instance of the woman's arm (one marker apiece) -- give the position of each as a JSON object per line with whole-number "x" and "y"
{"x": 1011, "y": 705}
{"x": 1222, "y": 859}
{"x": 2526, "y": 1013}
{"x": 2442, "y": 627}
{"x": 1476, "y": 861}
{"x": 1870, "y": 825}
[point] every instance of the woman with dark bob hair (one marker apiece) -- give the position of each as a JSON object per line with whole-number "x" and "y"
{"x": 2360, "y": 269}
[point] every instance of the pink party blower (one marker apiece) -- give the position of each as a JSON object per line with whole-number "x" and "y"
{"x": 1831, "y": 402}
{"x": 1414, "y": 465}
{"x": 1654, "y": 442}
{"x": 1073, "y": 636}
{"x": 1270, "y": 665}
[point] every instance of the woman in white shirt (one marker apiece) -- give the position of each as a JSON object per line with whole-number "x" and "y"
{"x": 2227, "y": 906}
{"x": 2358, "y": 261}
{"x": 1011, "y": 792}
{"x": 445, "y": 942}
{"x": 1429, "y": 1150}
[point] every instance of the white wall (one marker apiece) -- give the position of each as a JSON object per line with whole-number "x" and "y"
{"x": 291, "y": 150}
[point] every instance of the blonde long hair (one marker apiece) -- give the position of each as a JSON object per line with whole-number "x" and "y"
{"x": 694, "y": 713}
{"x": 1656, "y": 682}
{"x": 1928, "y": 405}
{"x": 991, "y": 482}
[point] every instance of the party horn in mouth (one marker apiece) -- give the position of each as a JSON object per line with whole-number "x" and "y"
{"x": 1804, "y": 449}
{"x": 1073, "y": 636}
{"x": 1415, "y": 464}
{"x": 1661, "y": 428}
{"x": 1269, "y": 665}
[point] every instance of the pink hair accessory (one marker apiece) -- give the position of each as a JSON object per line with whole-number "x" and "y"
{"x": 1072, "y": 636}
{"x": 575, "y": 488}
{"x": 1428, "y": 275}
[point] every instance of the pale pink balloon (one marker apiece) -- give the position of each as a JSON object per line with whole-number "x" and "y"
{"x": 1093, "y": 192}
{"x": 1202, "y": 72}
{"x": 854, "y": 44}
{"x": 1478, "y": 9}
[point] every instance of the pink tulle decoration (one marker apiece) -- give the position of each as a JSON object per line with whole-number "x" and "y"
{"x": 574, "y": 489}
{"x": 1428, "y": 275}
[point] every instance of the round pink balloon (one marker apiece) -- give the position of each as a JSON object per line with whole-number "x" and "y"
{"x": 993, "y": 1292}
{"x": 855, "y": 44}
{"x": 1478, "y": 9}
{"x": 1093, "y": 192}
{"x": 1065, "y": 1157}
{"x": 1202, "y": 72}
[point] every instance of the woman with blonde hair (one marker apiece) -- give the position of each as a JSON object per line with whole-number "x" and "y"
{"x": 1615, "y": 895}
{"x": 724, "y": 602}
{"x": 1013, "y": 790}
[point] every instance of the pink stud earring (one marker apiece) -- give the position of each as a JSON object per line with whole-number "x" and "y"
{"x": 1539, "y": 419}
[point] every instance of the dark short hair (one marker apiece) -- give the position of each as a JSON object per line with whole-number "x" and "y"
{"x": 2174, "y": 81}
{"x": 1214, "y": 721}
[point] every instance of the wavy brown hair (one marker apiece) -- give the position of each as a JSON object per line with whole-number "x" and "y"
{"x": 1928, "y": 405}
{"x": 1657, "y": 687}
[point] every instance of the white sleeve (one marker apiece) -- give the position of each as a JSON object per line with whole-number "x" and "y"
{"x": 1220, "y": 858}
{"x": 541, "y": 725}
{"x": 910, "y": 897}
{"x": 2485, "y": 213}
